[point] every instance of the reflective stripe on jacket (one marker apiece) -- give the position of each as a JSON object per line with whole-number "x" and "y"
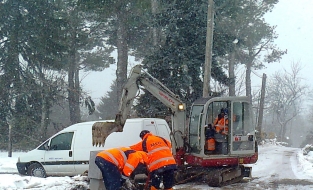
{"x": 158, "y": 150}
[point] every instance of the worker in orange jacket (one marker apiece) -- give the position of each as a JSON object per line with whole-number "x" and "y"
{"x": 209, "y": 138}
{"x": 161, "y": 163}
{"x": 117, "y": 164}
{"x": 221, "y": 122}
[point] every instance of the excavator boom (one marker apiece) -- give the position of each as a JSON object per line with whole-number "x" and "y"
{"x": 131, "y": 90}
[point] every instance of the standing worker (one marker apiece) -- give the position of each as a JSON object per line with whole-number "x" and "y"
{"x": 161, "y": 163}
{"x": 117, "y": 164}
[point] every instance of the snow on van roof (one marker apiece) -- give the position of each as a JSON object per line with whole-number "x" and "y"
{"x": 139, "y": 119}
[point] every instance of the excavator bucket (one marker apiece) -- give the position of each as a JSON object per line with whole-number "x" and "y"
{"x": 101, "y": 130}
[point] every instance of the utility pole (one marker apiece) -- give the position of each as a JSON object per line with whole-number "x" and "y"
{"x": 261, "y": 108}
{"x": 155, "y": 33}
{"x": 208, "y": 50}
{"x": 10, "y": 142}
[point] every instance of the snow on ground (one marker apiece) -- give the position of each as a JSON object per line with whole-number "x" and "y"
{"x": 273, "y": 161}
{"x": 17, "y": 182}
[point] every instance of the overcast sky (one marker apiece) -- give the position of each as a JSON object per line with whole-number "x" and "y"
{"x": 294, "y": 20}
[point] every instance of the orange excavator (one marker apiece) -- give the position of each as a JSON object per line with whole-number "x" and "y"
{"x": 200, "y": 151}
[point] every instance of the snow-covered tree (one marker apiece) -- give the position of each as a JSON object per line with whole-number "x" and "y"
{"x": 285, "y": 92}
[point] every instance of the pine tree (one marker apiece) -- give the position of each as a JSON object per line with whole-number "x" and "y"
{"x": 124, "y": 27}
{"x": 252, "y": 42}
{"x": 178, "y": 63}
{"x": 28, "y": 39}
{"x": 107, "y": 108}
{"x": 86, "y": 49}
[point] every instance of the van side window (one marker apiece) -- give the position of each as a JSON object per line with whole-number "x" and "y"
{"x": 62, "y": 141}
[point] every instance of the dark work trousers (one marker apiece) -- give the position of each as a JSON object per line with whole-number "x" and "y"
{"x": 110, "y": 173}
{"x": 167, "y": 176}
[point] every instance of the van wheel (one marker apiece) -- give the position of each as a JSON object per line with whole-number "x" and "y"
{"x": 36, "y": 170}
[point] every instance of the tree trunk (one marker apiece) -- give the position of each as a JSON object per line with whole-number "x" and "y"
{"x": 77, "y": 94}
{"x": 281, "y": 133}
{"x": 261, "y": 108}
{"x": 208, "y": 50}
{"x": 231, "y": 74}
{"x": 10, "y": 141}
{"x": 71, "y": 96}
{"x": 122, "y": 55}
{"x": 155, "y": 31}
{"x": 45, "y": 114}
{"x": 284, "y": 130}
{"x": 73, "y": 90}
{"x": 248, "y": 74}
{"x": 11, "y": 71}
{"x": 73, "y": 83}
{"x": 44, "y": 117}
{"x": 73, "y": 77}
{"x": 45, "y": 108}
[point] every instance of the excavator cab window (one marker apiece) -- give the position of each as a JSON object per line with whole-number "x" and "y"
{"x": 214, "y": 110}
{"x": 243, "y": 129}
{"x": 195, "y": 128}
{"x": 215, "y": 131}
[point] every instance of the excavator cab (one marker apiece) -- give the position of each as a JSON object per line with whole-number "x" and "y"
{"x": 235, "y": 138}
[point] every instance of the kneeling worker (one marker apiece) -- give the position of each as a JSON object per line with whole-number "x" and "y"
{"x": 117, "y": 164}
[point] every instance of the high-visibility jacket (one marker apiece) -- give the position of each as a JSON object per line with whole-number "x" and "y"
{"x": 221, "y": 125}
{"x": 124, "y": 158}
{"x": 210, "y": 144}
{"x": 159, "y": 152}
{"x": 133, "y": 160}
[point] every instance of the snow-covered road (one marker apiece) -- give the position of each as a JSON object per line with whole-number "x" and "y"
{"x": 278, "y": 168}
{"x": 281, "y": 166}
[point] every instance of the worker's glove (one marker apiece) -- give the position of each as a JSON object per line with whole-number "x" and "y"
{"x": 128, "y": 183}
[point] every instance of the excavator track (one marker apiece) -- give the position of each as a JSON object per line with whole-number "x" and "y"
{"x": 214, "y": 177}
{"x": 224, "y": 176}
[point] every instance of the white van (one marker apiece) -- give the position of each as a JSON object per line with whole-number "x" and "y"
{"x": 67, "y": 152}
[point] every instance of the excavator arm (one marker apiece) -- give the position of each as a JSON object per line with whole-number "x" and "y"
{"x": 131, "y": 90}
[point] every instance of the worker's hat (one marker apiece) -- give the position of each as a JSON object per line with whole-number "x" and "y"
{"x": 143, "y": 133}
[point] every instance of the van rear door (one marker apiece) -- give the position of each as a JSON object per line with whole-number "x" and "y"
{"x": 150, "y": 125}
{"x": 163, "y": 130}
{"x": 59, "y": 157}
